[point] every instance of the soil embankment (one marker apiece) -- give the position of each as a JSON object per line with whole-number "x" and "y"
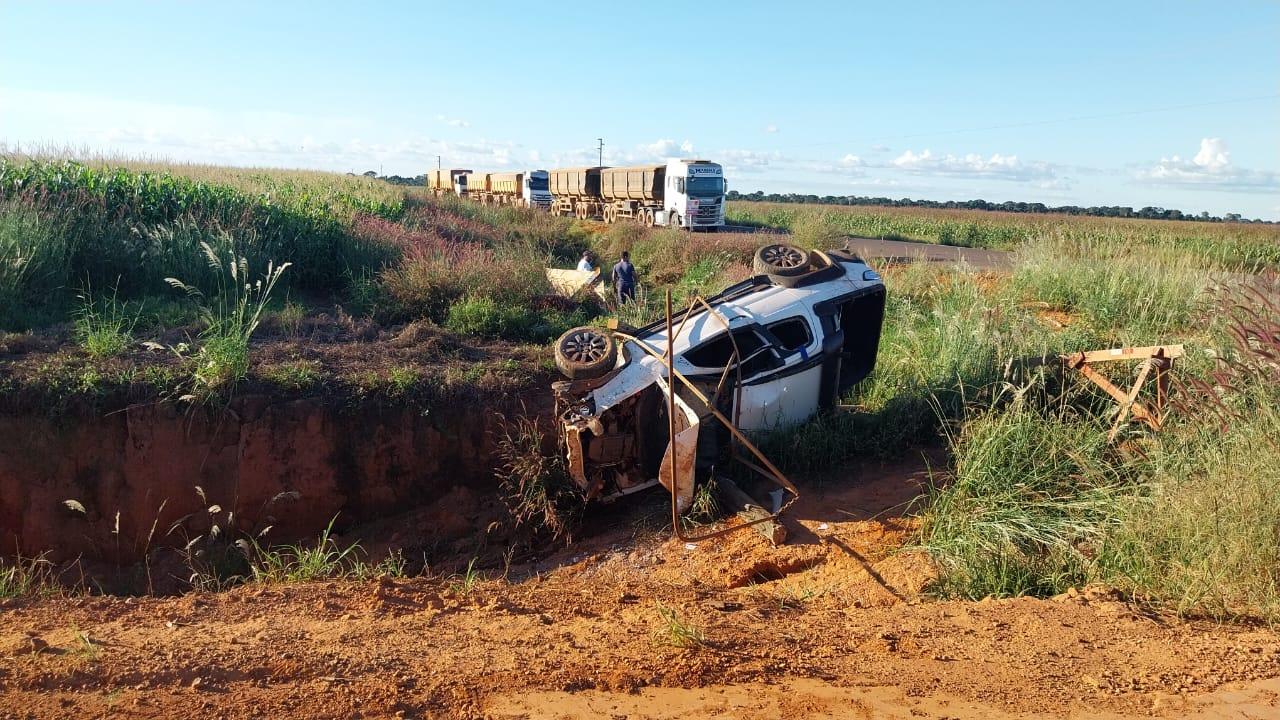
{"x": 293, "y": 464}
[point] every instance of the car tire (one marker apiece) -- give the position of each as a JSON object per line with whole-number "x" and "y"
{"x": 780, "y": 260}
{"x": 585, "y": 352}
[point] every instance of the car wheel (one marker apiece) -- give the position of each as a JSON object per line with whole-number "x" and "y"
{"x": 585, "y": 352}
{"x": 781, "y": 260}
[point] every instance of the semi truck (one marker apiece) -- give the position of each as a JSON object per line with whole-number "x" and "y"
{"x": 447, "y": 182}
{"x": 683, "y": 193}
{"x": 526, "y": 188}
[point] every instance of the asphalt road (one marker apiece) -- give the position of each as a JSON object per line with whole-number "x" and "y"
{"x": 903, "y": 251}
{"x": 906, "y": 251}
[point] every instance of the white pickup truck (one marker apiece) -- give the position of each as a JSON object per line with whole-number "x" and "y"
{"x": 769, "y": 352}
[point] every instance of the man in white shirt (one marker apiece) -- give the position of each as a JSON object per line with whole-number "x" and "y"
{"x": 585, "y": 263}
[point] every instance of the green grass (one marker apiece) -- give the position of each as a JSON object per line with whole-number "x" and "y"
{"x": 1225, "y": 245}
{"x": 295, "y": 375}
{"x": 26, "y": 577}
{"x": 323, "y": 560}
{"x": 104, "y": 327}
{"x": 231, "y": 311}
{"x": 1033, "y": 491}
{"x": 675, "y": 631}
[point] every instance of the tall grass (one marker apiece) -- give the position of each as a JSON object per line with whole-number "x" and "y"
{"x": 1032, "y": 494}
{"x": 232, "y": 311}
{"x": 1226, "y": 245}
{"x": 63, "y": 223}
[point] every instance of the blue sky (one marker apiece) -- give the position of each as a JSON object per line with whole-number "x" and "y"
{"x": 1170, "y": 104}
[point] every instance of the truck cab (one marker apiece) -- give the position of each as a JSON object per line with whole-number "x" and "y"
{"x": 695, "y": 194}
{"x": 537, "y": 190}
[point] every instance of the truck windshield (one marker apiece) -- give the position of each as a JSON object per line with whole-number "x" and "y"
{"x": 537, "y": 183}
{"x": 706, "y": 186}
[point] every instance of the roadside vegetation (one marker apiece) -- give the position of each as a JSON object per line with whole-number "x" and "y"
{"x": 1241, "y": 246}
{"x": 1033, "y": 499}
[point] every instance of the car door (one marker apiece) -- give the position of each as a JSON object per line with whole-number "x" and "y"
{"x": 787, "y": 394}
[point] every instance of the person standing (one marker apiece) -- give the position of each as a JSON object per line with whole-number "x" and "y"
{"x": 624, "y": 279}
{"x": 585, "y": 264}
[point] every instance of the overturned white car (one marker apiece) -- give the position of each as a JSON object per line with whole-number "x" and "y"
{"x": 766, "y": 353}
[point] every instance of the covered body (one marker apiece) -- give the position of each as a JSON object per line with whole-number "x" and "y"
{"x": 446, "y": 180}
{"x": 575, "y": 182}
{"x": 643, "y": 183}
{"x": 477, "y": 182}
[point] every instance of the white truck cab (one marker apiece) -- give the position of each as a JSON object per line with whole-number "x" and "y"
{"x": 537, "y": 190}
{"x": 695, "y": 193}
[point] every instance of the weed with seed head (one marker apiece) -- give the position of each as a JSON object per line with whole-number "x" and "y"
{"x": 232, "y": 313}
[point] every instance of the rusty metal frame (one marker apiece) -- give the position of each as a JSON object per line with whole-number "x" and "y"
{"x": 1157, "y": 358}
{"x": 765, "y": 468}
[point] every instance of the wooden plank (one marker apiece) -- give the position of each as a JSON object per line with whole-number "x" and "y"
{"x": 1129, "y": 401}
{"x": 1168, "y": 352}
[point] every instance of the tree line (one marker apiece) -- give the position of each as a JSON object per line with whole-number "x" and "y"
{"x": 1116, "y": 211}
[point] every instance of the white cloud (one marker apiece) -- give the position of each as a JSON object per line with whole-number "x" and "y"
{"x": 850, "y": 161}
{"x": 659, "y": 150}
{"x": 997, "y": 166}
{"x": 771, "y": 128}
{"x": 453, "y": 122}
{"x": 880, "y": 148}
{"x": 746, "y": 161}
{"x": 1210, "y": 169}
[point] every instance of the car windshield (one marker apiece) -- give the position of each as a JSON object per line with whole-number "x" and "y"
{"x": 706, "y": 186}
{"x": 537, "y": 183}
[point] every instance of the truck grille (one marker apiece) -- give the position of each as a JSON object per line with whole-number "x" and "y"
{"x": 707, "y": 213}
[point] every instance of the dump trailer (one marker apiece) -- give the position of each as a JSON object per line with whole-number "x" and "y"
{"x": 575, "y": 192}
{"x": 526, "y": 188}
{"x": 447, "y": 182}
{"x": 683, "y": 193}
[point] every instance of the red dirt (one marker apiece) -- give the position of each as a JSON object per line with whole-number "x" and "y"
{"x": 841, "y": 632}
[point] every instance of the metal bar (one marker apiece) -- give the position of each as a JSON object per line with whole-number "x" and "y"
{"x": 671, "y": 419}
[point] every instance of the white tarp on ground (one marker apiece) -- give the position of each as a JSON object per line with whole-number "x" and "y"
{"x": 569, "y": 283}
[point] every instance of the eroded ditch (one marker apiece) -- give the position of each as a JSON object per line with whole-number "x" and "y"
{"x": 111, "y": 486}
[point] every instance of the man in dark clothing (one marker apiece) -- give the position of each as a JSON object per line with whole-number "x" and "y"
{"x": 624, "y": 279}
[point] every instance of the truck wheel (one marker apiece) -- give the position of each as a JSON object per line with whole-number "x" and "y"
{"x": 585, "y": 352}
{"x": 673, "y": 220}
{"x": 780, "y": 260}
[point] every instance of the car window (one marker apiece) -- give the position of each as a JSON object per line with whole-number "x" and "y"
{"x": 792, "y": 333}
{"x": 716, "y": 353}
